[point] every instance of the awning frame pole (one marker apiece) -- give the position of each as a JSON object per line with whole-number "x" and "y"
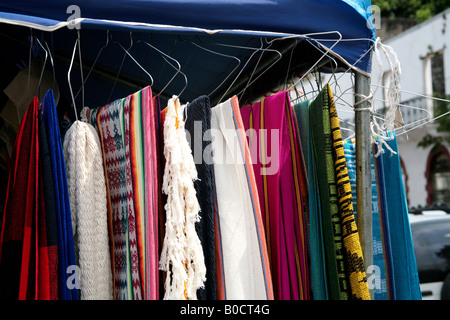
{"x": 363, "y": 170}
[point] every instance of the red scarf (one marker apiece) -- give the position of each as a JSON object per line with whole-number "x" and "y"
{"x": 18, "y": 240}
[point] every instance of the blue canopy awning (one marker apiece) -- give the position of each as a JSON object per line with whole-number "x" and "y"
{"x": 345, "y": 26}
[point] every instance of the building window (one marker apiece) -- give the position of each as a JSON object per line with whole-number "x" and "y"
{"x": 434, "y": 81}
{"x": 437, "y": 75}
{"x": 438, "y": 176}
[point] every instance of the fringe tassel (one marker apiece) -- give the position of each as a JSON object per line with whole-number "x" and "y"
{"x": 182, "y": 253}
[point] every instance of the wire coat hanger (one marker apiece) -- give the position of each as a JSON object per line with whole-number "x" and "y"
{"x": 68, "y": 79}
{"x": 120, "y": 68}
{"x": 182, "y": 73}
{"x": 123, "y": 60}
{"x": 165, "y": 57}
{"x": 52, "y": 63}
{"x": 270, "y": 66}
{"x": 242, "y": 69}
{"x": 289, "y": 65}
{"x": 328, "y": 50}
{"x": 255, "y": 50}
{"x": 29, "y": 62}
{"x": 223, "y": 55}
{"x": 95, "y": 61}
{"x": 254, "y": 69}
{"x": 127, "y": 53}
{"x": 81, "y": 68}
{"x": 43, "y": 67}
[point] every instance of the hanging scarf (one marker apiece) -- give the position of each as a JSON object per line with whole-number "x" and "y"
{"x": 401, "y": 258}
{"x": 87, "y": 192}
{"x": 110, "y": 129}
{"x": 131, "y": 151}
{"x": 353, "y": 253}
{"x": 134, "y": 191}
{"x": 66, "y": 249}
{"x": 198, "y": 124}
{"x": 160, "y": 116}
{"x": 149, "y": 159}
{"x": 322, "y": 140}
{"x": 317, "y": 250}
{"x": 47, "y": 225}
{"x": 381, "y": 283}
{"x": 280, "y": 183}
{"x": 18, "y": 234}
{"x": 182, "y": 254}
{"x": 381, "y": 191}
{"x": 242, "y": 260}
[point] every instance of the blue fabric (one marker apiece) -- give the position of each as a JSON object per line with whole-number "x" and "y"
{"x": 348, "y": 17}
{"x": 66, "y": 247}
{"x": 404, "y": 274}
{"x": 380, "y": 288}
{"x": 317, "y": 250}
{"x": 385, "y": 225}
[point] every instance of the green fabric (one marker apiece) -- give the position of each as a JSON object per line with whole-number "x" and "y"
{"x": 318, "y": 268}
{"x": 322, "y": 144}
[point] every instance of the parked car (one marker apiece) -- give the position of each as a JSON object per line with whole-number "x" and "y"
{"x": 431, "y": 238}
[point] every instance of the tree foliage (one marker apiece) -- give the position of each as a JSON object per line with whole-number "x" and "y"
{"x": 420, "y": 10}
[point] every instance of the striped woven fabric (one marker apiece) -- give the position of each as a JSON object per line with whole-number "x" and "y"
{"x": 134, "y": 218}
{"x": 110, "y": 129}
{"x": 94, "y": 119}
{"x": 242, "y": 269}
{"x": 401, "y": 262}
{"x": 384, "y": 225}
{"x": 279, "y": 176}
{"x": 136, "y": 154}
{"x": 322, "y": 141}
{"x": 130, "y": 143}
{"x": 149, "y": 154}
{"x": 353, "y": 253}
{"x": 381, "y": 284}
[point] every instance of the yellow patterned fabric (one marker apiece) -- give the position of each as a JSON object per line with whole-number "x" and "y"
{"x": 353, "y": 252}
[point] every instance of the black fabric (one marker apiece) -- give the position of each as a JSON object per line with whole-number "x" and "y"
{"x": 198, "y": 125}
{"x": 10, "y": 270}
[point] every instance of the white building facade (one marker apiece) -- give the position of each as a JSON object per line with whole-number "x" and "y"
{"x": 424, "y": 55}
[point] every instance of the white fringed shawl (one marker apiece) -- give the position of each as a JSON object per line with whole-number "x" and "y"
{"x": 182, "y": 254}
{"x": 88, "y": 203}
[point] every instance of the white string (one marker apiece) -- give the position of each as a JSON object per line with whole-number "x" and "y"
{"x": 364, "y": 98}
{"x": 379, "y": 136}
{"x": 394, "y": 87}
{"x": 346, "y": 104}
